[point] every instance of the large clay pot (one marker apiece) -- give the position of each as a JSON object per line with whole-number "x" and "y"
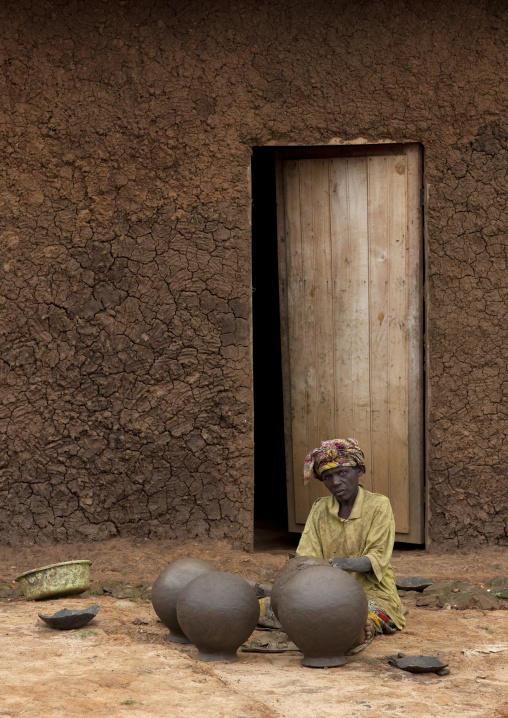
{"x": 218, "y": 612}
{"x": 167, "y": 587}
{"x": 323, "y": 610}
{"x": 290, "y": 568}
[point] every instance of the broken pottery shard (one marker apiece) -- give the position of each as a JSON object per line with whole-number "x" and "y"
{"x": 413, "y": 583}
{"x": 420, "y": 664}
{"x": 67, "y": 619}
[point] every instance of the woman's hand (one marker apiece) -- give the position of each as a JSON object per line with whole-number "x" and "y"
{"x": 341, "y": 563}
{"x": 360, "y": 565}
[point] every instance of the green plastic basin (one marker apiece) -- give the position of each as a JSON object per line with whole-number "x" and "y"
{"x": 59, "y": 579}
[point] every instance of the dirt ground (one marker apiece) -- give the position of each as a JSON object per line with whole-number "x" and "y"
{"x": 122, "y": 664}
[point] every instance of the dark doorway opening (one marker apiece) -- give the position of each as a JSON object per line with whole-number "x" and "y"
{"x": 270, "y": 493}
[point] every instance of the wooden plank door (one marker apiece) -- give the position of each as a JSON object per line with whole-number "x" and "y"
{"x": 350, "y": 267}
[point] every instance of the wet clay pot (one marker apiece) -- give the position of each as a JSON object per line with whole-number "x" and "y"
{"x": 290, "y": 568}
{"x": 323, "y": 610}
{"x": 166, "y": 590}
{"x": 218, "y": 612}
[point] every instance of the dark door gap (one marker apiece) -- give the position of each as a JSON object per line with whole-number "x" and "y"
{"x": 270, "y": 494}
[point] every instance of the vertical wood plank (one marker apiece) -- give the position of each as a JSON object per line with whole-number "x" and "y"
{"x": 283, "y": 259}
{"x": 342, "y": 304}
{"x": 359, "y": 299}
{"x": 308, "y": 346}
{"x": 379, "y": 320}
{"x": 323, "y": 427}
{"x": 414, "y": 265}
{"x": 297, "y": 333}
{"x": 398, "y": 342}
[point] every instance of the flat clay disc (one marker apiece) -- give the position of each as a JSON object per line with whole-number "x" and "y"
{"x": 413, "y": 583}
{"x": 420, "y": 664}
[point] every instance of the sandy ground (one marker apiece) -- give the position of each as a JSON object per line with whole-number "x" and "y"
{"x": 122, "y": 664}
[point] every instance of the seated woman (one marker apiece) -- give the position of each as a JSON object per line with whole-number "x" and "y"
{"x": 354, "y": 529}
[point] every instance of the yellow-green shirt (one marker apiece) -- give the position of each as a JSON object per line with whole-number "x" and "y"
{"x": 369, "y": 531}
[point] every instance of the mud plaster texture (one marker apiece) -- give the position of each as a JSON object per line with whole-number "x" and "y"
{"x": 126, "y": 131}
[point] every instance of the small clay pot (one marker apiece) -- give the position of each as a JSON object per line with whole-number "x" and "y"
{"x": 290, "y": 568}
{"x": 218, "y": 612}
{"x": 167, "y": 587}
{"x": 323, "y": 610}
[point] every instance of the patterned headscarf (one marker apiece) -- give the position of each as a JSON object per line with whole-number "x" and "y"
{"x": 337, "y": 452}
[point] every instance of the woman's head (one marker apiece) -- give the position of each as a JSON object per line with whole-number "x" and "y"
{"x": 332, "y": 454}
{"x": 342, "y": 482}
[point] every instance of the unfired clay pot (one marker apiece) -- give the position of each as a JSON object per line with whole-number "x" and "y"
{"x": 218, "y": 612}
{"x": 290, "y": 568}
{"x": 323, "y": 610}
{"x": 167, "y": 587}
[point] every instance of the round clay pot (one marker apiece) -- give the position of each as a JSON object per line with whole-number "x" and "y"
{"x": 290, "y": 568}
{"x": 323, "y": 610}
{"x": 218, "y": 612}
{"x": 167, "y": 587}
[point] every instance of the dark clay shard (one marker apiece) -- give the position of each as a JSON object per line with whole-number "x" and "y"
{"x": 67, "y": 619}
{"x": 413, "y": 583}
{"x": 420, "y": 664}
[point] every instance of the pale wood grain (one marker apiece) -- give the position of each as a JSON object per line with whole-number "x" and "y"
{"x": 398, "y": 343}
{"x": 359, "y": 300}
{"x": 342, "y": 307}
{"x": 415, "y": 264}
{"x": 300, "y": 326}
{"x": 379, "y": 321}
{"x": 283, "y": 224}
{"x": 323, "y": 427}
{"x": 351, "y": 285}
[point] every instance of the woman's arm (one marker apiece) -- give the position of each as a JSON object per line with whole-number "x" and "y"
{"x": 360, "y": 565}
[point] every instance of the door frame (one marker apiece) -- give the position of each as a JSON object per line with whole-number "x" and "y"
{"x": 416, "y": 409}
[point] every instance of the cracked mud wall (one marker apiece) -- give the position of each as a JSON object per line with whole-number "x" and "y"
{"x": 125, "y": 294}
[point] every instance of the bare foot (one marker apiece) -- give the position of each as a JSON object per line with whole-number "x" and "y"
{"x": 365, "y": 636}
{"x": 367, "y": 632}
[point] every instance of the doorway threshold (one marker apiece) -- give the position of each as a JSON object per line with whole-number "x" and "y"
{"x": 271, "y": 537}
